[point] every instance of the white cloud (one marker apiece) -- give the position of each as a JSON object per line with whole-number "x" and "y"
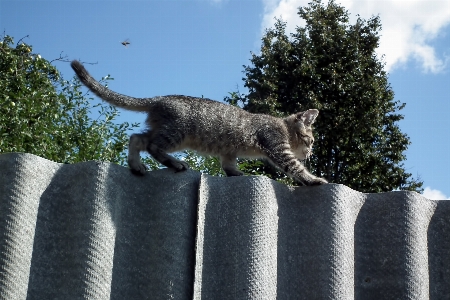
{"x": 284, "y": 9}
{"x": 408, "y": 27}
{"x": 434, "y": 194}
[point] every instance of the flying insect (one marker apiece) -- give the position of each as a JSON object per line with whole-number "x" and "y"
{"x": 126, "y": 43}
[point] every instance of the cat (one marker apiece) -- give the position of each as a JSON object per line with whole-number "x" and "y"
{"x": 209, "y": 127}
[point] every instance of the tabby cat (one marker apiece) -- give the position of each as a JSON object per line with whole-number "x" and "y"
{"x": 210, "y": 127}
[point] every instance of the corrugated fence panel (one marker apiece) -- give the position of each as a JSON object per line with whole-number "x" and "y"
{"x": 237, "y": 239}
{"x": 438, "y": 235}
{"x": 94, "y": 231}
{"x": 22, "y": 182}
{"x": 391, "y": 257}
{"x": 259, "y": 239}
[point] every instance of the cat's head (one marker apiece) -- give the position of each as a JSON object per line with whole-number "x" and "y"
{"x": 303, "y": 135}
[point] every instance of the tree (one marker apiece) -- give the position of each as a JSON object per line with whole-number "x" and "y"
{"x": 43, "y": 114}
{"x": 331, "y": 65}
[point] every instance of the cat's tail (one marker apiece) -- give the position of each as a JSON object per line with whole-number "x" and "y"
{"x": 116, "y": 99}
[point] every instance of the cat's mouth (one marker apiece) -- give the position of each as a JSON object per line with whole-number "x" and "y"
{"x": 307, "y": 154}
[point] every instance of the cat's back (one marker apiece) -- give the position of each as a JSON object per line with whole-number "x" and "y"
{"x": 215, "y": 115}
{"x": 197, "y": 109}
{"x": 196, "y": 102}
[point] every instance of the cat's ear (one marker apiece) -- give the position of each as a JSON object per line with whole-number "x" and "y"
{"x": 308, "y": 116}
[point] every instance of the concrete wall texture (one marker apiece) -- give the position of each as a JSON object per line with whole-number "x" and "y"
{"x": 94, "y": 231}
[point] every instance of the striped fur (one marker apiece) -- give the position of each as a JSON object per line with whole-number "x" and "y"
{"x": 209, "y": 127}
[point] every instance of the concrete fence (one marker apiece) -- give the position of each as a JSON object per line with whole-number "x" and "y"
{"x": 94, "y": 231}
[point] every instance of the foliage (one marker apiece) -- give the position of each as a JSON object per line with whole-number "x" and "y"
{"x": 43, "y": 114}
{"x": 331, "y": 65}
{"x": 204, "y": 164}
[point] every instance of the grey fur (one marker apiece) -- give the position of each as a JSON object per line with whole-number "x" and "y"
{"x": 209, "y": 127}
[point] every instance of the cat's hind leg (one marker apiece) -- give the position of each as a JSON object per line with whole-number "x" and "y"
{"x": 137, "y": 144}
{"x": 229, "y": 166}
{"x": 160, "y": 144}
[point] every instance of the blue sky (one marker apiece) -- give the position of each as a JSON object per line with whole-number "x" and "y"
{"x": 198, "y": 47}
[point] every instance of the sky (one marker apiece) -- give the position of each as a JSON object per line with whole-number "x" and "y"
{"x": 199, "y": 47}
